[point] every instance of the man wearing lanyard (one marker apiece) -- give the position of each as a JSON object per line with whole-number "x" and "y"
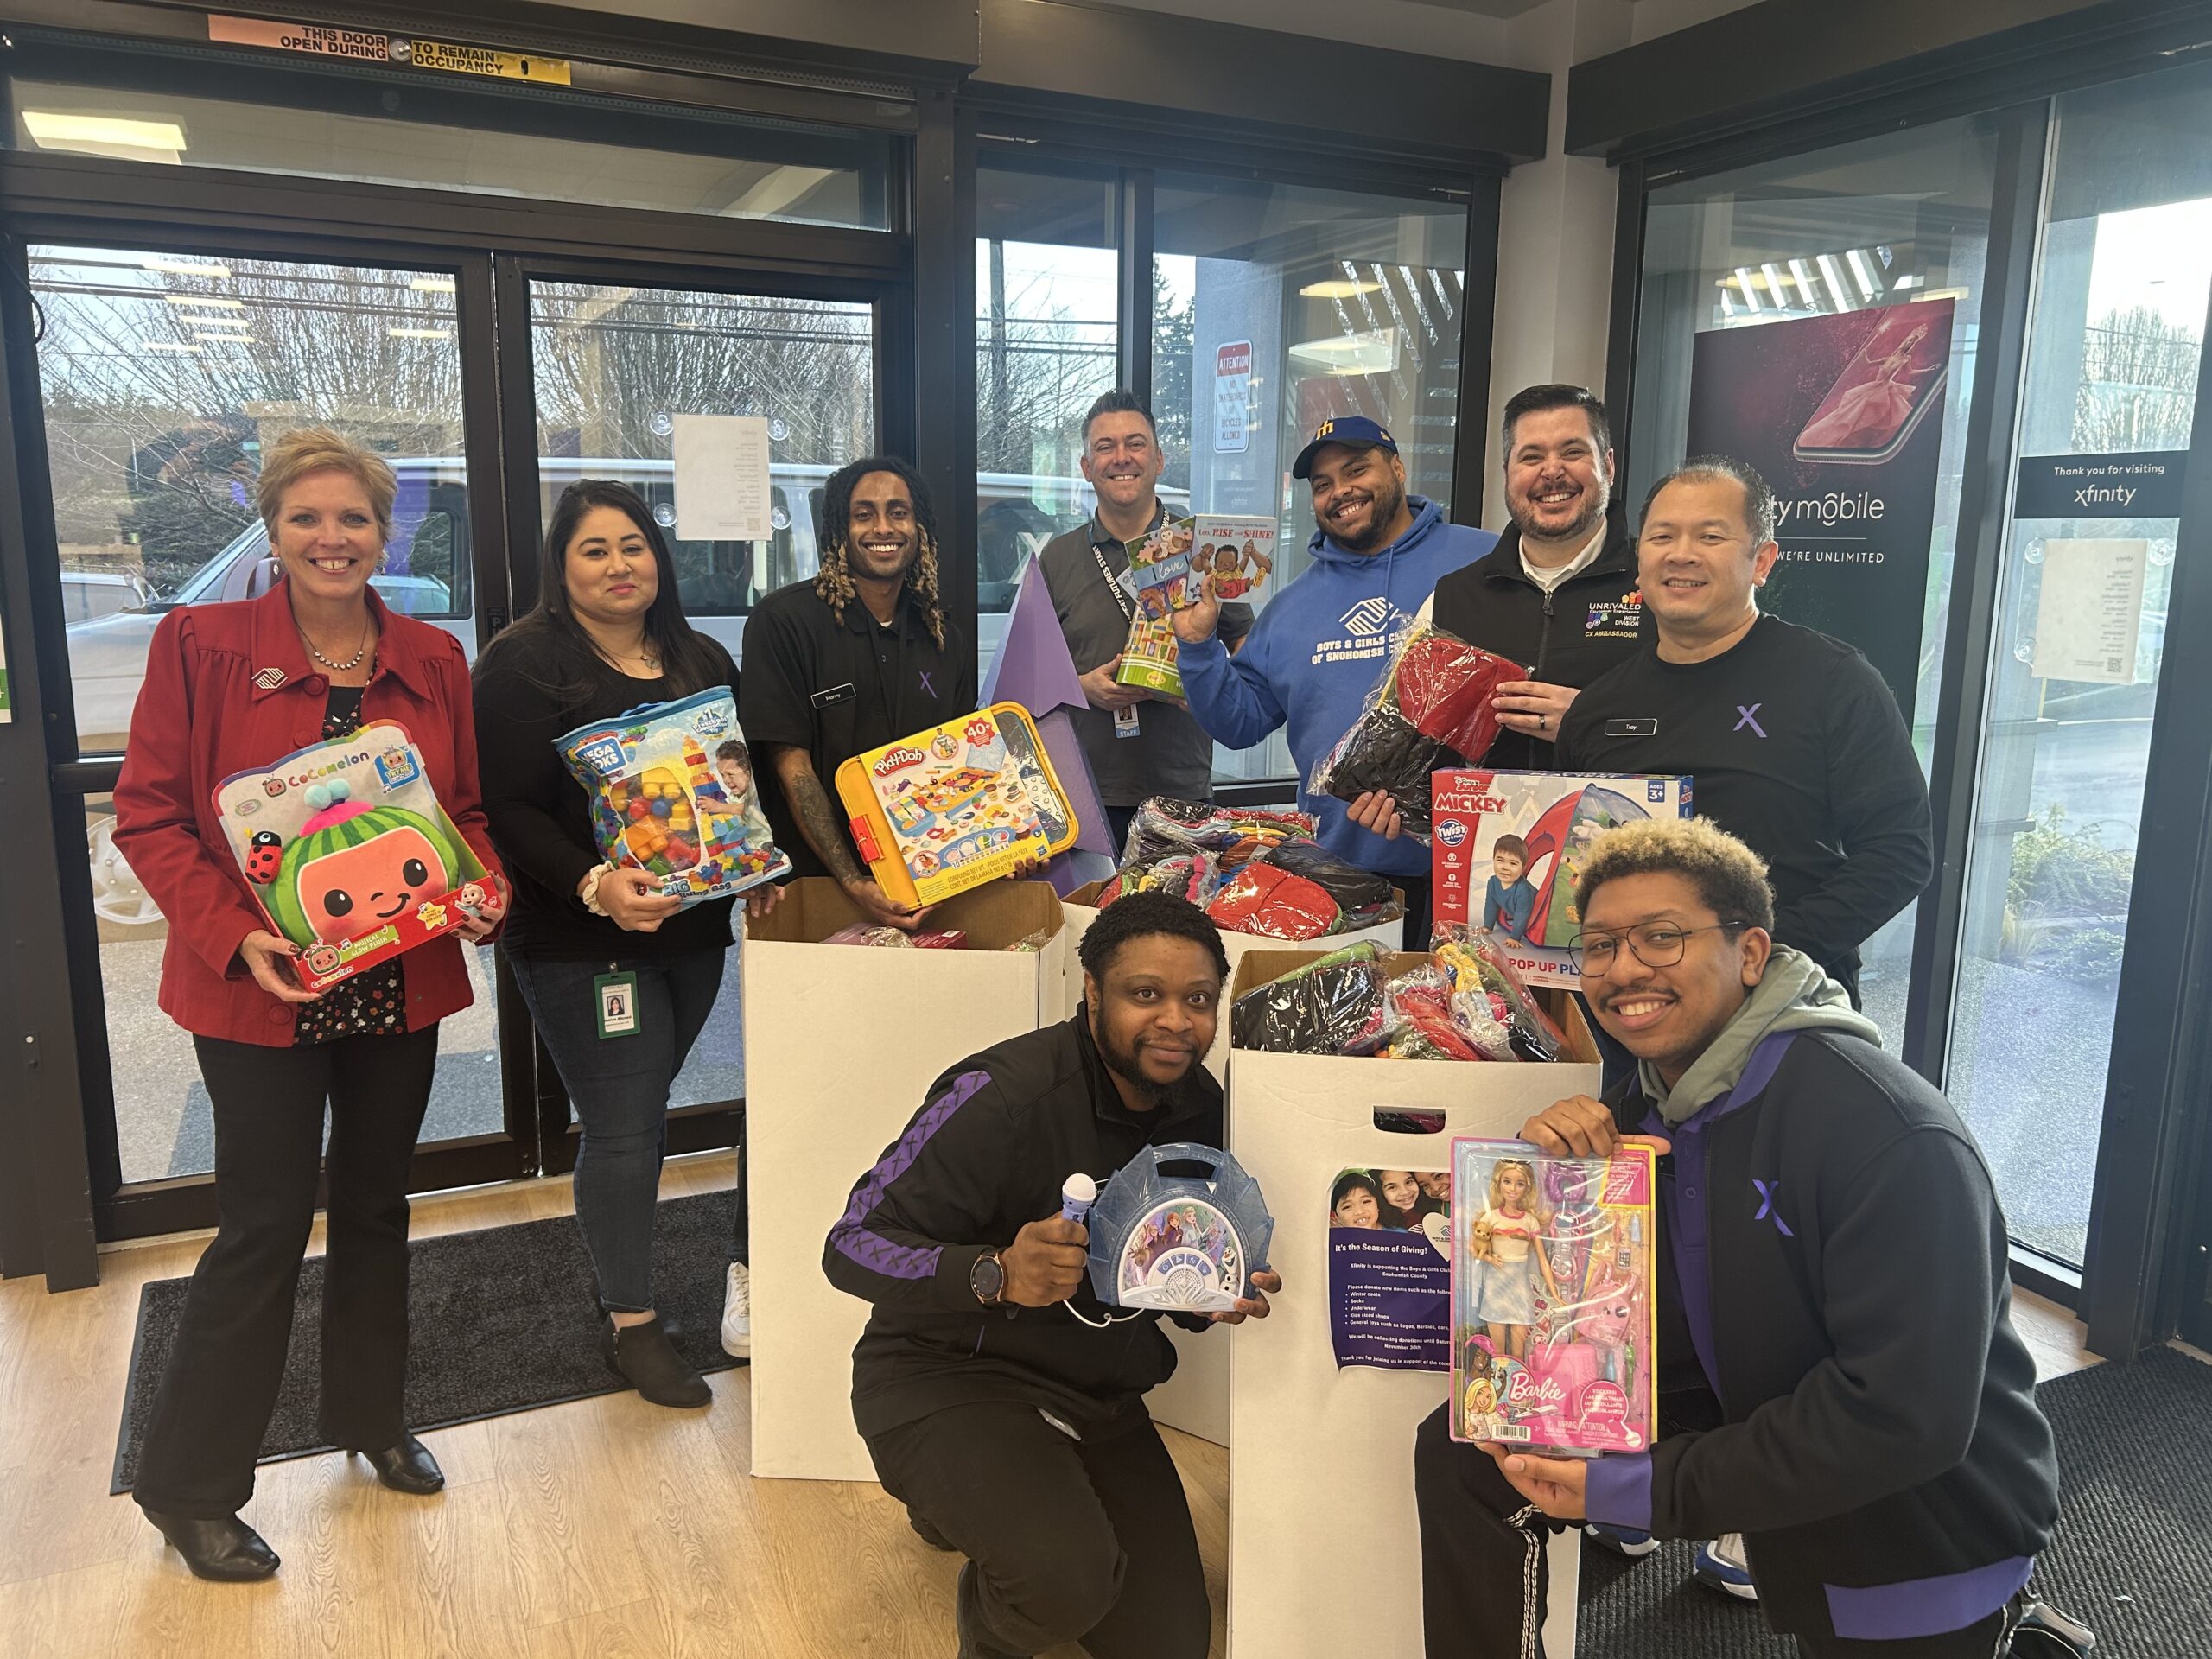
{"x": 1134, "y": 751}
{"x": 859, "y": 656}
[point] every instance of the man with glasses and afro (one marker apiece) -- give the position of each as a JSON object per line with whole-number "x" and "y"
{"x": 1839, "y": 1378}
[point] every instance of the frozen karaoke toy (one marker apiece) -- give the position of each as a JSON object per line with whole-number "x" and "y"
{"x": 1185, "y": 1243}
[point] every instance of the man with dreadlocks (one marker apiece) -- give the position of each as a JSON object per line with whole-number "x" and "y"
{"x": 860, "y": 657}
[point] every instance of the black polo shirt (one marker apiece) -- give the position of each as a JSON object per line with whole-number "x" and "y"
{"x": 836, "y": 688}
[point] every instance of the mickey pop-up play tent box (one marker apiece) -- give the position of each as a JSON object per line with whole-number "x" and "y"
{"x": 348, "y": 852}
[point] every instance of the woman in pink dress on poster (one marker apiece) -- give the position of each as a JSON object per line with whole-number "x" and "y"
{"x": 1867, "y": 414}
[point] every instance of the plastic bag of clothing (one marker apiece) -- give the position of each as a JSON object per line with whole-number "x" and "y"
{"x": 1234, "y": 835}
{"x": 1431, "y": 710}
{"x": 1297, "y": 891}
{"x": 1187, "y": 875}
{"x": 1479, "y": 968}
{"x": 1331, "y": 1006}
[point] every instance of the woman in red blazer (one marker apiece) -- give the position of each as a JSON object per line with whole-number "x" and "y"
{"x": 232, "y": 688}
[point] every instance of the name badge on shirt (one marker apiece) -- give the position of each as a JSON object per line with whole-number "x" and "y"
{"x": 833, "y": 696}
{"x": 1125, "y": 721}
{"x": 1645, "y": 727}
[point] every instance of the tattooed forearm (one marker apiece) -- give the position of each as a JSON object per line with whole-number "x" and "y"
{"x": 819, "y": 821}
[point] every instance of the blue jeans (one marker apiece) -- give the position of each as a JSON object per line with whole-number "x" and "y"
{"x": 618, "y": 1086}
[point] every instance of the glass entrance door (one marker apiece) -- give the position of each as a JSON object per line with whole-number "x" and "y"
{"x": 164, "y": 373}
{"x": 615, "y": 364}
{"x": 2114, "y": 341}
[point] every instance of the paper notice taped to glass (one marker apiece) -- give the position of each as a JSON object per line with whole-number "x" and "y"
{"x": 722, "y": 478}
{"x": 2089, "y": 614}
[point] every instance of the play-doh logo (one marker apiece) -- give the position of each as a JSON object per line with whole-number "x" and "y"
{"x": 1450, "y": 832}
{"x": 898, "y": 760}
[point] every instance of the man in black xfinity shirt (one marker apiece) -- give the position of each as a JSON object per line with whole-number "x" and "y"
{"x": 1792, "y": 740}
{"x": 1001, "y": 1402}
{"x": 859, "y": 656}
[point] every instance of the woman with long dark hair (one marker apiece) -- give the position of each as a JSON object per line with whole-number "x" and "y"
{"x": 607, "y": 634}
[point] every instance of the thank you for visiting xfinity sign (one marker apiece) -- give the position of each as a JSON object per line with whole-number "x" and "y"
{"x": 1233, "y": 398}
{"x": 2146, "y": 484}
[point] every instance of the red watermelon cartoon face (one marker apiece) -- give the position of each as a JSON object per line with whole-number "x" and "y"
{"x": 357, "y": 889}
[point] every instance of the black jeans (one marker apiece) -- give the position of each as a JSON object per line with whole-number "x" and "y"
{"x": 1484, "y": 1581}
{"x": 1070, "y": 1541}
{"x": 229, "y": 1359}
{"x": 618, "y": 1086}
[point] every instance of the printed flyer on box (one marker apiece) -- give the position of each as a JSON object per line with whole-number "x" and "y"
{"x": 1390, "y": 1269}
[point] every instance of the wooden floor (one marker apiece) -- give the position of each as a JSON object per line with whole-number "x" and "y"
{"x": 607, "y": 1527}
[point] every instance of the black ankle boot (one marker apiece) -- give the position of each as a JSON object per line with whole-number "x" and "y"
{"x": 226, "y": 1550}
{"x": 643, "y": 1354}
{"x": 405, "y": 1465}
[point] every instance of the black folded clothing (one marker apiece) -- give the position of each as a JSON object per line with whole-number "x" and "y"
{"x": 1332, "y": 1007}
{"x": 1385, "y": 751}
{"x": 1363, "y": 897}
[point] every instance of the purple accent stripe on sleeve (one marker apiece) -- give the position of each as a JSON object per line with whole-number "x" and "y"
{"x": 1922, "y": 1607}
{"x": 871, "y": 1250}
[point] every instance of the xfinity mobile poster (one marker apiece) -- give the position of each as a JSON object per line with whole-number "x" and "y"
{"x": 1844, "y": 416}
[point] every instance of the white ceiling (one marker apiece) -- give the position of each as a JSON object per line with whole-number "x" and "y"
{"x": 1505, "y": 32}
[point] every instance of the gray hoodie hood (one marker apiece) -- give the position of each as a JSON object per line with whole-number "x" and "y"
{"x": 1795, "y": 995}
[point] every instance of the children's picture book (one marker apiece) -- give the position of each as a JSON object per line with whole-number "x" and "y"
{"x": 1507, "y": 848}
{"x": 1181, "y": 563}
{"x": 672, "y": 794}
{"x": 951, "y": 808}
{"x": 1551, "y": 1318}
{"x": 348, "y": 852}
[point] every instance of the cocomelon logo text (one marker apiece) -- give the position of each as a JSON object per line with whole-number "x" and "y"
{"x": 1450, "y": 832}
{"x": 337, "y": 763}
{"x": 898, "y": 760}
{"x": 1535, "y": 1392}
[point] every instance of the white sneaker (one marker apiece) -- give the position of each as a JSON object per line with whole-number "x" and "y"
{"x": 737, "y": 1312}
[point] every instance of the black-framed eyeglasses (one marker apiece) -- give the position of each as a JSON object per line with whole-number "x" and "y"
{"x": 1656, "y": 944}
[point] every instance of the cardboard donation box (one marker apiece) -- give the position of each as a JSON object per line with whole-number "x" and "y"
{"x": 1297, "y": 1123}
{"x": 841, "y": 1043}
{"x": 1196, "y": 1399}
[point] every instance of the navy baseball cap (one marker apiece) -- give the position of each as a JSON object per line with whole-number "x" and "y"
{"x": 1355, "y": 429}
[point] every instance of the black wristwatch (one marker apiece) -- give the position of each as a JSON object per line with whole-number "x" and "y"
{"x": 986, "y": 1280}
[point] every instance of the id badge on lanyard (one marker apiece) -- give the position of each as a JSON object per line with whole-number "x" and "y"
{"x": 1124, "y": 589}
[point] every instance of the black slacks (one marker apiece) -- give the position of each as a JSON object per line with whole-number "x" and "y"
{"x": 1068, "y": 1540}
{"x": 229, "y": 1359}
{"x": 1484, "y": 1581}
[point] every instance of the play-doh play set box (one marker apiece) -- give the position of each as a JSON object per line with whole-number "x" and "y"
{"x": 672, "y": 794}
{"x": 958, "y": 805}
{"x": 1552, "y": 1321}
{"x": 348, "y": 852}
{"x": 1507, "y": 849}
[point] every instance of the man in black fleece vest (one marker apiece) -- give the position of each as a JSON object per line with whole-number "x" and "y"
{"x": 1001, "y": 1402}
{"x": 1839, "y": 1377}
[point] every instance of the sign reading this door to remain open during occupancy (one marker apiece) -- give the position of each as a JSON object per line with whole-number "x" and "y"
{"x": 364, "y": 44}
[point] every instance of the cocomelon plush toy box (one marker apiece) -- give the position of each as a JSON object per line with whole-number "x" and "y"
{"x": 955, "y": 806}
{"x": 348, "y": 852}
{"x": 1552, "y": 1319}
{"x": 1507, "y": 851}
{"x": 672, "y": 794}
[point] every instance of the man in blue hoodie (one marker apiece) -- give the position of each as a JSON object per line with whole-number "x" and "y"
{"x": 1322, "y": 643}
